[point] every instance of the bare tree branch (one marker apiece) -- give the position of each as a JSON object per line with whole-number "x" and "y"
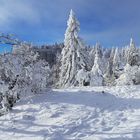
{"x": 10, "y": 39}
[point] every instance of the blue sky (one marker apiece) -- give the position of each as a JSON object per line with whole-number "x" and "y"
{"x": 110, "y": 22}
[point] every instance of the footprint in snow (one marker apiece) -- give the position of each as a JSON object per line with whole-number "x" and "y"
{"x": 107, "y": 129}
{"x": 28, "y": 117}
{"x": 55, "y": 115}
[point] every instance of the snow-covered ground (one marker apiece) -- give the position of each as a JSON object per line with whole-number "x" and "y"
{"x": 74, "y": 114}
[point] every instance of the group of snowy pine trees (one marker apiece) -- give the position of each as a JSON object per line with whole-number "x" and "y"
{"x": 82, "y": 66}
{"x": 24, "y": 71}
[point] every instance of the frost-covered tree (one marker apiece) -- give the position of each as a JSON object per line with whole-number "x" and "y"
{"x": 21, "y": 73}
{"x": 38, "y": 74}
{"x": 74, "y": 56}
{"x": 96, "y": 74}
{"x": 109, "y": 74}
{"x": 122, "y": 55}
{"x": 98, "y": 50}
{"x": 92, "y": 55}
{"x": 112, "y": 53}
{"x": 132, "y": 58}
{"x": 106, "y": 53}
{"x": 130, "y": 76}
{"x": 116, "y": 59}
{"x": 112, "y": 70}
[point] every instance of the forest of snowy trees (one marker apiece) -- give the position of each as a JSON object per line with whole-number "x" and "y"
{"x": 31, "y": 69}
{"x": 96, "y": 66}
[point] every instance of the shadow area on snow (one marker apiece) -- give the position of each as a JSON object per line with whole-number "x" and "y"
{"x": 100, "y": 100}
{"x": 104, "y": 101}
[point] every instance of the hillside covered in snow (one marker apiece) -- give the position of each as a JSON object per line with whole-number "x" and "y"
{"x": 101, "y": 113}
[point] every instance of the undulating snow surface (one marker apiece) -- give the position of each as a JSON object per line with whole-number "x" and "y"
{"x": 74, "y": 114}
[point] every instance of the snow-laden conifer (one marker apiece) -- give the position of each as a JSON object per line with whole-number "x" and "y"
{"x": 132, "y": 58}
{"x": 74, "y": 55}
{"x": 96, "y": 75}
{"x": 116, "y": 59}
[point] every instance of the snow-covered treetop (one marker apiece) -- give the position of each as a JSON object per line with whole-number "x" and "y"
{"x": 73, "y": 27}
{"x": 97, "y": 59}
{"x": 98, "y": 50}
{"x": 132, "y": 56}
{"x": 116, "y": 58}
{"x": 132, "y": 44}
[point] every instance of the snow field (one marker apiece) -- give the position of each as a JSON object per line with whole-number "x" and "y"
{"x": 75, "y": 114}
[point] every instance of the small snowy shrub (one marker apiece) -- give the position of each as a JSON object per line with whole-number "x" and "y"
{"x": 131, "y": 76}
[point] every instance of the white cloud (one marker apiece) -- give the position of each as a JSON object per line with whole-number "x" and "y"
{"x": 12, "y": 10}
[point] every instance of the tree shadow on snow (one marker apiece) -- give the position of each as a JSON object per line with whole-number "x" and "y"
{"x": 93, "y": 99}
{"x": 104, "y": 101}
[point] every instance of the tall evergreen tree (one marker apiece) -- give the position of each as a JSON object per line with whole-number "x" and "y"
{"x": 74, "y": 56}
{"x": 112, "y": 53}
{"x": 116, "y": 59}
{"x": 96, "y": 73}
{"x": 132, "y": 58}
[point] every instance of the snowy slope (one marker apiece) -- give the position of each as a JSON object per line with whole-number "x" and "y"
{"x": 74, "y": 114}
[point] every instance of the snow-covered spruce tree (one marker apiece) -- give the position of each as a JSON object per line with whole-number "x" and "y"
{"x": 96, "y": 74}
{"x": 92, "y": 55}
{"x": 116, "y": 59}
{"x": 98, "y": 50}
{"x": 122, "y": 52}
{"x": 56, "y": 71}
{"x": 74, "y": 56}
{"x": 132, "y": 58}
{"x": 116, "y": 63}
{"x": 116, "y": 66}
{"x": 112, "y": 53}
{"x": 107, "y": 55}
{"x": 109, "y": 74}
